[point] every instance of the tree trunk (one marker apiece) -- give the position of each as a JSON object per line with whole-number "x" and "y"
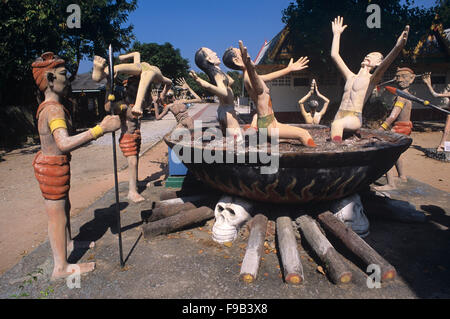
{"x": 180, "y": 200}
{"x": 176, "y": 222}
{"x": 336, "y": 267}
{"x": 293, "y": 269}
{"x": 167, "y": 211}
{"x": 255, "y": 245}
{"x": 357, "y": 245}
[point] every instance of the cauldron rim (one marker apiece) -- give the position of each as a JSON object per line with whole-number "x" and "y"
{"x": 311, "y": 158}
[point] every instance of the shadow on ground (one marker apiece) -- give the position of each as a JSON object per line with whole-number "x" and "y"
{"x": 188, "y": 264}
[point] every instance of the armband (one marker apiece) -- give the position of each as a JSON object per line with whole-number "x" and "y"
{"x": 96, "y": 132}
{"x": 399, "y": 104}
{"x": 56, "y": 124}
{"x": 385, "y": 126}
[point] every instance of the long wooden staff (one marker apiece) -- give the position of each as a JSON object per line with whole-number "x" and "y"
{"x": 111, "y": 99}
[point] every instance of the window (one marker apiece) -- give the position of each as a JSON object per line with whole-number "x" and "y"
{"x": 283, "y": 81}
{"x": 302, "y": 82}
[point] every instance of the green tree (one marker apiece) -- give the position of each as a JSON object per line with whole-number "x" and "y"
{"x": 309, "y": 22}
{"x": 32, "y": 27}
{"x": 165, "y": 57}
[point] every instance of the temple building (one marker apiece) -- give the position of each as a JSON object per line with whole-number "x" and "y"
{"x": 88, "y": 99}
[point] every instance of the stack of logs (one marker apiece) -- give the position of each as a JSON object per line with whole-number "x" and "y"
{"x": 336, "y": 267}
{"x": 174, "y": 213}
{"x": 177, "y": 211}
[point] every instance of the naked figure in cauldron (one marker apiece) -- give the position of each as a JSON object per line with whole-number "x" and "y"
{"x": 358, "y": 87}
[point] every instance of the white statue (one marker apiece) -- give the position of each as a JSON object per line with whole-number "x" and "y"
{"x": 350, "y": 211}
{"x": 231, "y": 213}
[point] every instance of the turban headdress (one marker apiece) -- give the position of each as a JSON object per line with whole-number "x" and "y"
{"x": 46, "y": 62}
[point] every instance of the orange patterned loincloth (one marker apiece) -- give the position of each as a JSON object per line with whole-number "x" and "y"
{"x": 403, "y": 127}
{"x": 53, "y": 175}
{"x": 130, "y": 144}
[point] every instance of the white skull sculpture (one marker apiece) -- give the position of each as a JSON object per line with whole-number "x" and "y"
{"x": 350, "y": 211}
{"x": 231, "y": 213}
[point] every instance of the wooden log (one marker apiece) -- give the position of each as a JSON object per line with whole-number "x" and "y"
{"x": 357, "y": 245}
{"x": 334, "y": 263}
{"x": 176, "y": 222}
{"x": 391, "y": 209}
{"x": 255, "y": 246}
{"x": 169, "y": 194}
{"x": 167, "y": 211}
{"x": 293, "y": 269}
{"x": 180, "y": 200}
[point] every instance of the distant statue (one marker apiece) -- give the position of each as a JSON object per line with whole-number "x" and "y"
{"x": 400, "y": 121}
{"x": 220, "y": 86}
{"x": 311, "y": 111}
{"x": 178, "y": 107}
{"x": 52, "y": 163}
{"x": 358, "y": 87}
{"x": 148, "y": 74}
{"x": 130, "y": 138}
{"x": 446, "y": 94}
{"x": 238, "y": 59}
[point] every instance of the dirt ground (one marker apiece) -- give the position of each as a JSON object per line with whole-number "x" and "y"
{"x": 23, "y": 222}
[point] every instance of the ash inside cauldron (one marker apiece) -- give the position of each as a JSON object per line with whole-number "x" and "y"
{"x": 328, "y": 172}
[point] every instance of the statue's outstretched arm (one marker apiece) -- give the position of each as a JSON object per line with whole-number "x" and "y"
{"x": 301, "y": 64}
{"x": 219, "y": 90}
{"x": 255, "y": 79}
{"x": 338, "y": 27}
{"x": 387, "y": 61}
{"x": 427, "y": 80}
{"x": 67, "y": 143}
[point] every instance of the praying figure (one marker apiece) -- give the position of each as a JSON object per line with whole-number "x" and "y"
{"x": 259, "y": 92}
{"x": 358, "y": 87}
{"x": 311, "y": 112}
{"x": 52, "y": 162}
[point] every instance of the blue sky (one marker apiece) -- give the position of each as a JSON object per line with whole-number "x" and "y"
{"x": 191, "y": 24}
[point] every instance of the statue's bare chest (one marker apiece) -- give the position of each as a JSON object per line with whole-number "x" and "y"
{"x": 358, "y": 83}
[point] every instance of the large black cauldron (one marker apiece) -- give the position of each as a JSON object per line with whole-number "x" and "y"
{"x": 305, "y": 175}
